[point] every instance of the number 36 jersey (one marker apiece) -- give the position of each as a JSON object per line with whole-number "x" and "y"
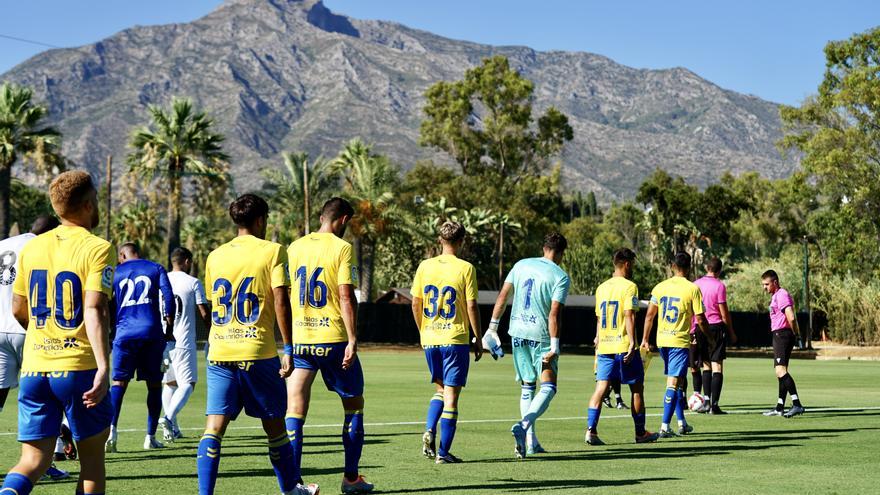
{"x": 445, "y": 284}
{"x": 56, "y": 269}
{"x": 239, "y": 278}
{"x": 319, "y": 263}
{"x": 537, "y": 282}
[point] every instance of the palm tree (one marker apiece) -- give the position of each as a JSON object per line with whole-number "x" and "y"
{"x": 287, "y": 194}
{"x": 21, "y": 135}
{"x": 370, "y": 180}
{"x": 183, "y": 143}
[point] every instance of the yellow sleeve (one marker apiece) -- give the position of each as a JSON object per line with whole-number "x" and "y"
{"x": 280, "y": 272}
{"x": 600, "y": 296}
{"x": 471, "y": 283}
{"x": 19, "y": 286}
{"x": 99, "y": 277}
{"x": 697, "y": 302}
{"x": 209, "y": 284}
{"x": 347, "y": 274}
{"x": 416, "y": 289}
{"x": 631, "y": 298}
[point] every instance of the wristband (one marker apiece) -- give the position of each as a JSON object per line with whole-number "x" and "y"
{"x": 554, "y": 345}
{"x": 493, "y": 325}
{"x": 288, "y": 349}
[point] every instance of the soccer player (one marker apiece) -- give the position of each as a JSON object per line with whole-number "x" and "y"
{"x": 180, "y": 379}
{"x": 445, "y": 309}
{"x": 60, "y": 294}
{"x": 678, "y": 301}
{"x": 249, "y": 295}
{"x": 784, "y": 327}
{"x": 139, "y": 341}
{"x": 617, "y": 302}
{"x": 721, "y": 330}
{"x": 325, "y": 336}
{"x": 539, "y": 288}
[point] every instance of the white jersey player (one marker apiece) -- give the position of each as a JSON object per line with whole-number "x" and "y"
{"x": 182, "y": 374}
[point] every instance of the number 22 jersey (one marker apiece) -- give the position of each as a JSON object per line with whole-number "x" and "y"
{"x": 445, "y": 283}
{"x": 239, "y": 278}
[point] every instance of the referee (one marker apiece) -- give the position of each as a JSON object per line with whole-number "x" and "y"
{"x": 784, "y": 327}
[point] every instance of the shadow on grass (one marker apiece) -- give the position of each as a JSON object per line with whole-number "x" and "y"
{"x": 513, "y": 486}
{"x": 663, "y": 450}
{"x": 235, "y": 473}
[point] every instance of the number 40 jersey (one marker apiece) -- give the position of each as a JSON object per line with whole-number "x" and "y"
{"x": 445, "y": 284}
{"x": 537, "y": 282}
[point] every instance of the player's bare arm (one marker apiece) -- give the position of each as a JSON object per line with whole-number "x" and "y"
{"x": 20, "y": 310}
{"x": 96, "y": 317}
{"x": 501, "y": 302}
{"x": 728, "y": 321}
{"x": 649, "y": 326}
{"x": 283, "y": 318}
{"x": 554, "y": 326}
{"x": 473, "y": 311}
{"x": 417, "y": 310}
{"x": 792, "y": 320}
{"x": 629, "y": 321}
{"x": 348, "y": 308}
{"x": 205, "y": 314}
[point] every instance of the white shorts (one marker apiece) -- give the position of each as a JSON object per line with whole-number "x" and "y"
{"x": 11, "y": 348}
{"x": 184, "y": 367}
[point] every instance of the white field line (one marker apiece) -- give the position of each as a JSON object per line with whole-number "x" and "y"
{"x": 509, "y": 420}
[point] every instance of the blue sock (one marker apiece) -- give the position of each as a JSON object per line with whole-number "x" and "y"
{"x": 669, "y": 402}
{"x": 593, "y": 418}
{"x": 679, "y": 406}
{"x": 154, "y": 409}
{"x": 448, "y": 421}
{"x": 117, "y": 392}
{"x": 208, "y": 461}
{"x": 281, "y": 457}
{"x": 435, "y": 409}
{"x": 639, "y": 422}
{"x": 294, "y": 424}
{"x": 353, "y": 442}
{"x": 16, "y": 484}
{"x": 539, "y": 404}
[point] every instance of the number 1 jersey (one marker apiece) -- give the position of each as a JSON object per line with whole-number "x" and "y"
{"x": 537, "y": 282}
{"x": 239, "y": 278}
{"x": 55, "y": 271}
{"x": 445, "y": 284}
{"x": 319, "y": 263}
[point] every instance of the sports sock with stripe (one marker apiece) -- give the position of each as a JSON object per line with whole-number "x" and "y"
{"x": 353, "y": 442}
{"x": 525, "y": 401}
{"x": 669, "y": 402}
{"x": 448, "y": 422}
{"x": 792, "y": 389}
{"x": 435, "y": 409}
{"x": 294, "y": 424}
{"x": 679, "y": 407}
{"x": 16, "y": 484}
{"x": 281, "y": 457}
{"x": 208, "y": 461}
{"x": 539, "y": 404}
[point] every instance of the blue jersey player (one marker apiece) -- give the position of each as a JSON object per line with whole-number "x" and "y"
{"x": 540, "y": 288}
{"x": 139, "y": 342}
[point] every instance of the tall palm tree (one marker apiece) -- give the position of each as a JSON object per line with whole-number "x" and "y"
{"x": 179, "y": 142}
{"x": 370, "y": 181}
{"x": 286, "y": 191}
{"x": 23, "y": 136}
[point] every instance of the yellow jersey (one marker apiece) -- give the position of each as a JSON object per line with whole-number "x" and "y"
{"x": 319, "y": 264}
{"x": 614, "y": 298}
{"x": 445, "y": 284}
{"x": 239, "y": 278}
{"x": 679, "y": 300}
{"x": 55, "y": 271}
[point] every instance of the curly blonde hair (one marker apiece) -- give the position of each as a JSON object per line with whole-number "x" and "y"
{"x": 452, "y": 232}
{"x": 69, "y": 191}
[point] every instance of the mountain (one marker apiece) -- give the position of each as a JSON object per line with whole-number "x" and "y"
{"x": 281, "y": 75}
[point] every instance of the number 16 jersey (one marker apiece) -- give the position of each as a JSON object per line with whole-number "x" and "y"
{"x": 445, "y": 284}
{"x": 319, "y": 263}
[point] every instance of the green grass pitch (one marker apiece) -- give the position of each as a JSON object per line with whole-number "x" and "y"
{"x": 830, "y": 450}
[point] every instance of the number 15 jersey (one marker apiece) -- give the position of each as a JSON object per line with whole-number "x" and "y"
{"x": 319, "y": 263}
{"x": 445, "y": 284}
{"x": 239, "y": 278}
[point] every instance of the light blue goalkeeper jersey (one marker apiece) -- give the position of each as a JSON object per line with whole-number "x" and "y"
{"x": 537, "y": 282}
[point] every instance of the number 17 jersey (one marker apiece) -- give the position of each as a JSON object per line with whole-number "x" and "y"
{"x": 537, "y": 282}
{"x": 445, "y": 284}
{"x": 319, "y": 264}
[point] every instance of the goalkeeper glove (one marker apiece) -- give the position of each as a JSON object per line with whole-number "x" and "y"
{"x": 491, "y": 341}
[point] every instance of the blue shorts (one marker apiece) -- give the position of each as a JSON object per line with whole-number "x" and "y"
{"x": 255, "y": 386}
{"x": 449, "y": 364}
{"x": 44, "y": 398}
{"x": 675, "y": 360}
{"x": 327, "y": 358}
{"x": 141, "y": 355}
{"x": 610, "y": 367}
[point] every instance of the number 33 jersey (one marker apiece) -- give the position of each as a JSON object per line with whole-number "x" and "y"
{"x": 56, "y": 269}
{"x": 445, "y": 284}
{"x": 319, "y": 263}
{"x": 239, "y": 278}
{"x": 537, "y": 282}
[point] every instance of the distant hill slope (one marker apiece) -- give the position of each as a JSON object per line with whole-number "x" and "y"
{"x": 285, "y": 75}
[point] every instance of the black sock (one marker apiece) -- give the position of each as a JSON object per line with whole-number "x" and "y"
{"x": 698, "y": 380}
{"x": 792, "y": 389}
{"x": 783, "y": 390}
{"x": 707, "y": 383}
{"x": 615, "y": 385}
{"x": 717, "y": 382}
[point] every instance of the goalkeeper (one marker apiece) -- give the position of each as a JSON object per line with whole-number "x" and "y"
{"x": 539, "y": 288}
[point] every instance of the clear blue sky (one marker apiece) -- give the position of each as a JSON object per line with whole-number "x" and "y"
{"x": 769, "y": 48}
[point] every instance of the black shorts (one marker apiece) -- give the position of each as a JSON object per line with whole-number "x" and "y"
{"x": 716, "y": 352}
{"x": 783, "y": 343}
{"x": 695, "y": 361}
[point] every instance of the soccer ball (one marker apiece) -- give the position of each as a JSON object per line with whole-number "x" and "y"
{"x": 696, "y": 401}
